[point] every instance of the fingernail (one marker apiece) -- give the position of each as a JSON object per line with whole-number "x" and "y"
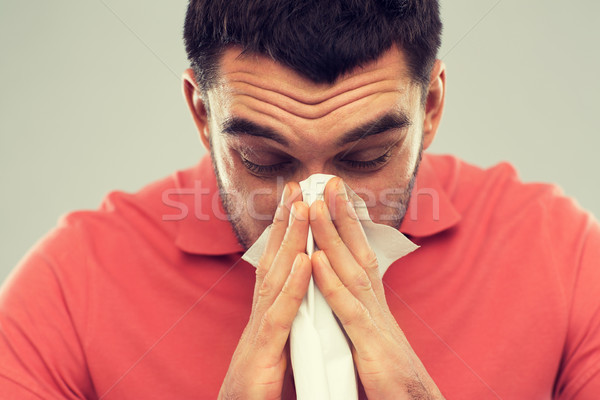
{"x": 297, "y": 262}
{"x": 351, "y": 210}
{"x": 295, "y": 213}
{"x": 323, "y": 258}
{"x": 325, "y": 211}
{"x": 278, "y": 213}
{"x": 285, "y": 194}
{"x": 281, "y": 205}
{"x": 341, "y": 189}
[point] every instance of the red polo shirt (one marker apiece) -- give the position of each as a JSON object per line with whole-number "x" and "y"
{"x": 147, "y": 297}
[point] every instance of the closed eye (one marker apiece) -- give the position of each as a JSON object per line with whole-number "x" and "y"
{"x": 260, "y": 169}
{"x": 369, "y": 164}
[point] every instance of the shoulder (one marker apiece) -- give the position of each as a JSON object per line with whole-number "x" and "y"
{"x": 499, "y": 192}
{"x": 536, "y": 221}
{"x": 124, "y": 217}
{"x": 126, "y": 226}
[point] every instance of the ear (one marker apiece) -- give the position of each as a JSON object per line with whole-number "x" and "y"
{"x": 191, "y": 94}
{"x": 434, "y": 105}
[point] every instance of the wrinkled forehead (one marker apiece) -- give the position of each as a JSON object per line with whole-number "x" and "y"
{"x": 259, "y": 89}
{"x": 237, "y": 69}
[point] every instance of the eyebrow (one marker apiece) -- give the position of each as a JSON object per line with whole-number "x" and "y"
{"x": 237, "y": 126}
{"x": 387, "y": 122}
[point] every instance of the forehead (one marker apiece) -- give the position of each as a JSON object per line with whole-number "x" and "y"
{"x": 256, "y": 88}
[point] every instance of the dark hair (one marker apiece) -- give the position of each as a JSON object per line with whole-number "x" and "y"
{"x": 319, "y": 39}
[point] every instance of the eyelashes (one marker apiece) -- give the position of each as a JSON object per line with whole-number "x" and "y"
{"x": 371, "y": 164}
{"x": 264, "y": 169}
{"x": 347, "y": 164}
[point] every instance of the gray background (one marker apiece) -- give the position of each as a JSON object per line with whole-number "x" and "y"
{"x": 90, "y": 100}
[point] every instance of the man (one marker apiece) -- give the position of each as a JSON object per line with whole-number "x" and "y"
{"x": 147, "y": 297}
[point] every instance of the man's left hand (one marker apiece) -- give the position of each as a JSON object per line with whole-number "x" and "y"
{"x": 346, "y": 271}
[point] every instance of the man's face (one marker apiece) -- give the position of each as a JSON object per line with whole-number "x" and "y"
{"x": 268, "y": 125}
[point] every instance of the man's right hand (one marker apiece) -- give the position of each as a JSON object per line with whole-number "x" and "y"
{"x": 260, "y": 360}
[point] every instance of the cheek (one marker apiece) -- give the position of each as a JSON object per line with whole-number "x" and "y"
{"x": 252, "y": 200}
{"x": 397, "y": 174}
{"x": 387, "y": 194}
{"x": 409, "y": 154}
{"x": 260, "y": 201}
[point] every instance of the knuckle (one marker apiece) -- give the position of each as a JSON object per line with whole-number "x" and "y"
{"x": 289, "y": 246}
{"x": 335, "y": 243}
{"x": 369, "y": 261}
{"x": 291, "y": 294}
{"x": 271, "y": 323}
{"x": 261, "y": 269}
{"x": 361, "y": 282}
{"x": 338, "y": 242}
{"x": 265, "y": 289}
{"x": 331, "y": 292}
{"x": 357, "y": 314}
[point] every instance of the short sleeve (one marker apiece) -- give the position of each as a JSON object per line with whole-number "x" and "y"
{"x": 579, "y": 378}
{"x": 41, "y": 355}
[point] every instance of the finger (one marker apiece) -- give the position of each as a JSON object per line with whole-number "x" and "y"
{"x": 291, "y": 194}
{"x": 351, "y": 231}
{"x": 350, "y": 273}
{"x": 277, "y": 321}
{"x": 288, "y": 391}
{"x": 352, "y": 313}
{"x": 294, "y": 242}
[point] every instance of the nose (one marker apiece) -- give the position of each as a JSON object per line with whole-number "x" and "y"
{"x": 315, "y": 167}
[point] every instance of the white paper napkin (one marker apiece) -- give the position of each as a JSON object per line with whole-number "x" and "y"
{"x": 321, "y": 357}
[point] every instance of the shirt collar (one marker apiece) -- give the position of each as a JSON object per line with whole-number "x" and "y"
{"x": 204, "y": 228}
{"x": 430, "y": 210}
